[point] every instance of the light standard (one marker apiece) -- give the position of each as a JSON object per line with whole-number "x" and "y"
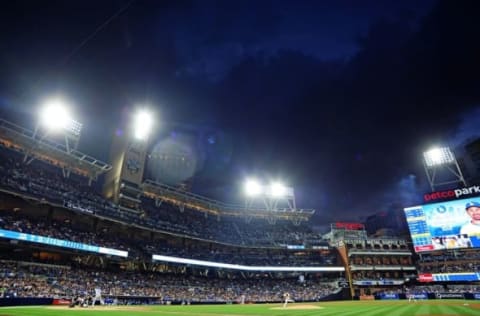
{"x": 442, "y": 167}
{"x": 55, "y": 119}
{"x": 270, "y": 194}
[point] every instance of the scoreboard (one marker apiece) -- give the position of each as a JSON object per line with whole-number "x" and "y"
{"x": 419, "y": 231}
{"x": 439, "y": 226}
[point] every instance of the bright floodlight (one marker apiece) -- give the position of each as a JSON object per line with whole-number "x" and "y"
{"x": 142, "y": 125}
{"x": 54, "y": 115}
{"x": 277, "y": 189}
{"x": 438, "y": 156}
{"x": 253, "y": 188}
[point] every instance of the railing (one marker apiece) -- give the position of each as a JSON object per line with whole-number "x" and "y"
{"x": 28, "y": 137}
{"x": 215, "y": 205}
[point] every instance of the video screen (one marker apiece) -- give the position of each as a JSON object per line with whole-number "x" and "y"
{"x": 445, "y": 225}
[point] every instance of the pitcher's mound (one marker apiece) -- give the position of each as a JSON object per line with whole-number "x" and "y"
{"x": 299, "y": 306}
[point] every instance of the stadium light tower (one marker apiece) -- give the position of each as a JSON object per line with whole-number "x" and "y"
{"x": 442, "y": 167}
{"x": 55, "y": 120}
{"x": 54, "y": 123}
{"x": 277, "y": 189}
{"x": 142, "y": 125}
{"x": 55, "y": 117}
{"x": 253, "y": 188}
{"x": 270, "y": 196}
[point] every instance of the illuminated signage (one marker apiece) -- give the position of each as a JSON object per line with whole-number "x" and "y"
{"x": 450, "y": 194}
{"x": 419, "y": 296}
{"x": 61, "y": 243}
{"x": 295, "y": 247}
{"x": 349, "y": 226}
{"x": 378, "y": 282}
{"x": 425, "y": 277}
{"x": 388, "y": 296}
{"x": 243, "y": 267}
{"x": 449, "y": 277}
{"x": 450, "y": 295}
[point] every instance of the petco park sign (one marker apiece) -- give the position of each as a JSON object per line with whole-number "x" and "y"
{"x": 451, "y": 194}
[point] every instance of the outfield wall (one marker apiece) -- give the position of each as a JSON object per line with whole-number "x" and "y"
{"x": 25, "y": 301}
{"x": 139, "y": 300}
{"x": 421, "y": 296}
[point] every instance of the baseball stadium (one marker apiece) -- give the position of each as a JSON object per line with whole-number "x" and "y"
{"x": 79, "y": 235}
{"x": 239, "y": 158}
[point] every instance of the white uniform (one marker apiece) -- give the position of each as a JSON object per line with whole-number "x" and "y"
{"x": 98, "y": 296}
{"x": 287, "y": 299}
{"x": 411, "y": 297}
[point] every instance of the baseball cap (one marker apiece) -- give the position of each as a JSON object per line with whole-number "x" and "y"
{"x": 472, "y": 203}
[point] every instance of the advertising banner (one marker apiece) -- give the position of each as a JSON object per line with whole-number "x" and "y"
{"x": 449, "y": 277}
{"x": 386, "y": 296}
{"x": 420, "y": 296}
{"x": 60, "y": 243}
{"x": 349, "y": 226}
{"x": 61, "y": 301}
{"x": 425, "y": 277}
{"x": 449, "y": 296}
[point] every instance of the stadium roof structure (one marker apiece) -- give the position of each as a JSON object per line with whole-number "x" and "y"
{"x": 24, "y": 141}
{"x": 162, "y": 192}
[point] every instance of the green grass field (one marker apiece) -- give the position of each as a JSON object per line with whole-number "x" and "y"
{"x": 339, "y": 308}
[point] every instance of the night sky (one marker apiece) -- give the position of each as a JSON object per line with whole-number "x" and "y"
{"x": 336, "y": 98}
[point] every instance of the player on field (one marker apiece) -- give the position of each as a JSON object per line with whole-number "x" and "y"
{"x": 98, "y": 296}
{"x": 411, "y": 296}
{"x": 286, "y": 297}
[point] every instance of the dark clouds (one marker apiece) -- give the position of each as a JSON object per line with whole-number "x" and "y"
{"x": 219, "y": 33}
{"x": 336, "y": 97}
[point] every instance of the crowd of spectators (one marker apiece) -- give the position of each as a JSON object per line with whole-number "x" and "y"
{"x": 432, "y": 288}
{"x": 449, "y": 256}
{"x": 450, "y": 267}
{"x": 30, "y": 280}
{"x": 463, "y": 288}
{"x": 225, "y": 228}
{"x": 63, "y": 230}
{"x": 449, "y": 262}
{"x": 66, "y": 230}
{"x": 47, "y": 183}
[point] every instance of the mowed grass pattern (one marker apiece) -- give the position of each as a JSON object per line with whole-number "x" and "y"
{"x": 342, "y": 308}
